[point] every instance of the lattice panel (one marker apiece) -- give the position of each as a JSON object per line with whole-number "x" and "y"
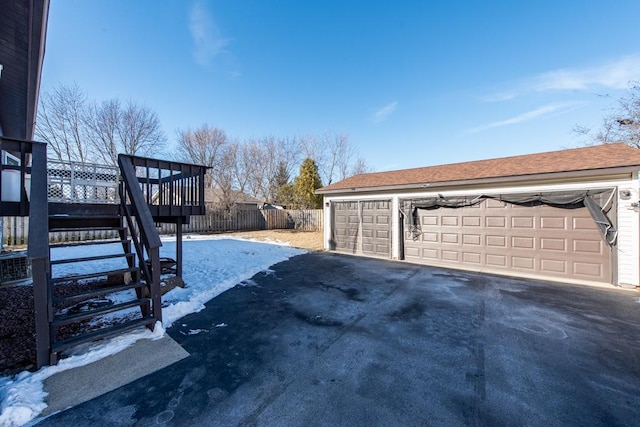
{"x": 73, "y": 182}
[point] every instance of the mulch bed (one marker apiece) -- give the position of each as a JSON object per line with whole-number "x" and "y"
{"x": 17, "y": 329}
{"x": 17, "y": 324}
{"x": 17, "y": 320}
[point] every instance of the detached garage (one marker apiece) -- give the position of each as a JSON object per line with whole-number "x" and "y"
{"x": 569, "y": 216}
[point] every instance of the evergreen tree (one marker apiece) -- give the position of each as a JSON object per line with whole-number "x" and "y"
{"x": 305, "y": 185}
{"x": 282, "y": 190}
{"x": 286, "y": 196}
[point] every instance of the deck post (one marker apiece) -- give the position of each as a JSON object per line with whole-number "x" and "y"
{"x": 179, "y": 247}
{"x": 38, "y": 251}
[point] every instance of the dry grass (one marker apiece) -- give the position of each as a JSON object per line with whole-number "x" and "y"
{"x": 311, "y": 240}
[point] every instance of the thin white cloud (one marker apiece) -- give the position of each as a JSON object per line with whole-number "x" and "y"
{"x": 207, "y": 39}
{"x": 540, "y": 112}
{"x": 383, "y": 113}
{"x": 499, "y": 97}
{"x": 614, "y": 74}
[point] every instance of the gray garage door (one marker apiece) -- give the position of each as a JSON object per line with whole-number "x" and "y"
{"x": 362, "y": 227}
{"x": 495, "y": 236}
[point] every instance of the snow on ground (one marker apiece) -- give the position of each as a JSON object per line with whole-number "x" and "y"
{"x": 211, "y": 265}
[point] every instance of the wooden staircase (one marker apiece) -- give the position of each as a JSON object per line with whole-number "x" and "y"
{"x": 127, "y": 200}
{"x": 80, "y": 301}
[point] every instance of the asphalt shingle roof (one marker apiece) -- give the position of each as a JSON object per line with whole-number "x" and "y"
{"x": 576, "y": 159}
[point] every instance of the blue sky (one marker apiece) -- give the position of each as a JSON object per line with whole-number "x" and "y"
{"x": 413, "y": 83}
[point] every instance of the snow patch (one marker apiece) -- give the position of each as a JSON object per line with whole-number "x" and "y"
{"x": 212, "y": 265}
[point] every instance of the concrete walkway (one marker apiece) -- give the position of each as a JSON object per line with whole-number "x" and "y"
{"x": 333, "y": 340}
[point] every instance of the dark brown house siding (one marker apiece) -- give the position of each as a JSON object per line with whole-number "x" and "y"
{"x": 22, "y": 29}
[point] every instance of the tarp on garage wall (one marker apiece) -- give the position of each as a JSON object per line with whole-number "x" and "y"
{"x": 564, "y": 200}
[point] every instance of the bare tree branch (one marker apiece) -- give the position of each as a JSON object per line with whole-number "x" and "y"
{"x": 61, "y": 122}
{"x": 620, "y": 124}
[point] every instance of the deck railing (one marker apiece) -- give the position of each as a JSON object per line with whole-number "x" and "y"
{"x": 76, "y": 182}
{"x": 170, "y": 189}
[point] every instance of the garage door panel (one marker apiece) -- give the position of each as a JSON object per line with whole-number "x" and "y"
{"x": 449, "y": 221}
{"x": 523, "y": 263}
{"x": 495, "y": 260}
{"x": 587, "y": 269}
{"x": 472, "y": 257}
{"x": 583, "y": 224}
{"x": 429, "y": 220}
{"x": 449, "y": 238}
{"x": 496, "y": 241}
{"x": 383, "y": 234}
{"x": 526, "y": 222}
{"x": 588, "y": 246}
{"x": 523, "y": 242}
{"x": 412, "y": 252}
{"x": 550, "y": 244}
{"x": 450, "y": 255}
{"x": 553, "y": 265}
{"x": 430, "y": 253}
{"x": 430, "y": 237}
{"x": 471, "y": 239}
{"x": 383, "y": 219}
{"x": 542, "y": 240}
{"x": 471, "y": 221}
{"x": 555, "y": 223}
{"x": 496, "y": 222}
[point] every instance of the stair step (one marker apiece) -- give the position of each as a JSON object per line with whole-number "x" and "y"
{"x": 70, "y": 318}
{"x": 54, "y": 229}
{"x": 92, "y": 275}
{"x": 102, "y": 333}
{"x": 94, "y": 293}
{"x": 75, "y": 222}
{"x": 88, "y": 243}
{"x": 91, "y": 258}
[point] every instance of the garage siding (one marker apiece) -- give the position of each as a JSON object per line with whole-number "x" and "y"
{"x": 496, "y": 236}
{"x": 362, "y": 227}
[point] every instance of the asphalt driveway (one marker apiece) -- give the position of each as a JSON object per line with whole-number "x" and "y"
{"x": 334, "y": 340}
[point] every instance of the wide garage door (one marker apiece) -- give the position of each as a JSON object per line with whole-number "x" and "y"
{"x": 362, "y": 227}
{"x": 496, "y": 236}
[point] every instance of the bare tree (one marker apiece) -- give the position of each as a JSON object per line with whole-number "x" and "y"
{"x": 340, "y": 152}
{"x": 102, "y": 124}
{"x": 333, "y": 154}
{"x": 140, "y": 131}
{"x": 202, "y": 146}
{"x": 61, "y": 122}
{"x": 132, "y": 129}
{"x": 225, "y": 175}
{"x": 360, "y": 166}
{"x": 620, "y": 124}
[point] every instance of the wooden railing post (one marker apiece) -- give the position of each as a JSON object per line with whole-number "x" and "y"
{"x": 147, "y": 229}
{"x": 38, "y": 251}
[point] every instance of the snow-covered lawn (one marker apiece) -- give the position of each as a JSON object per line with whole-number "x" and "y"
{"x": 211, "y": 265}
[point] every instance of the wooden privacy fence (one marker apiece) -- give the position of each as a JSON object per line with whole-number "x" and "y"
{"x": 15, "y": 229}
{"x": 246, "y": 220}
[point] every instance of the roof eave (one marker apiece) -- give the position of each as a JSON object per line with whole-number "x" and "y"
{"x": 588, "y": 173}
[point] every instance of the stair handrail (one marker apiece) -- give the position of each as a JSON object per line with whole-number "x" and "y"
{"x": 146, "y": 229}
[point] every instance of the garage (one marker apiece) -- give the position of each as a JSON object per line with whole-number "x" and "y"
{"x": 362, "y": 227}
{"x": 496, "y": 236}
{"x": 565, "y": 216}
